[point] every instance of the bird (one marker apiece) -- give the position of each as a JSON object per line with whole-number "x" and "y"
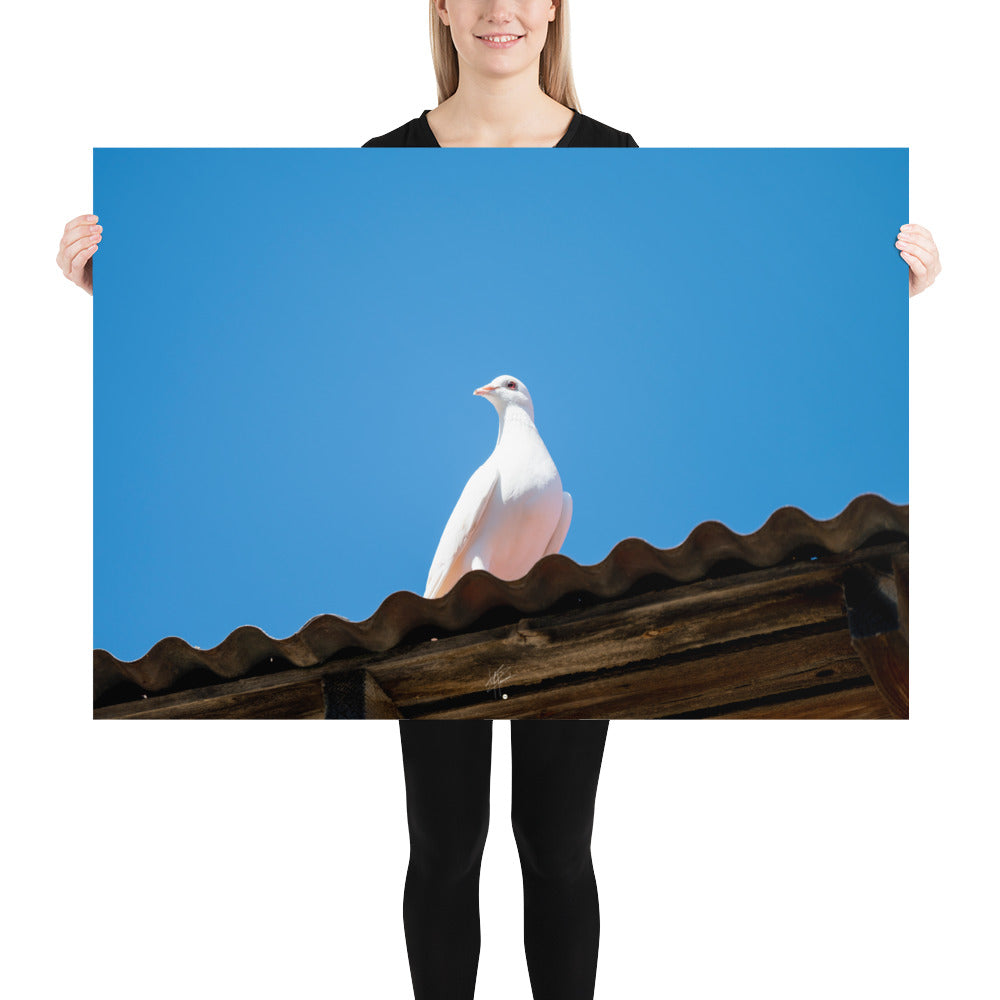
{"x": 513, "y": 510}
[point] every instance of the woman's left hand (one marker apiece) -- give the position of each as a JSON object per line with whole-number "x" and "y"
{"x": 916, "y": 246}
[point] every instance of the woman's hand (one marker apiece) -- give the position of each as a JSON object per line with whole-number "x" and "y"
{"x": 916, "y": 246}
{"x": 77, "y": 248}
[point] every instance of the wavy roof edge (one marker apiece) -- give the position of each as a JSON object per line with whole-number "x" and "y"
{"x": 786, "y": 531}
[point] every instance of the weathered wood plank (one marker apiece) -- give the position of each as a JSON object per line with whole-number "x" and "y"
{"x": 236, "y": 700}
{"x": 679, "y": 684}
{"x": 854, "y": 703}
{"x": 293, "y": 694}
{"x": 887, "y": 660}
{"x": 541, "y": 651}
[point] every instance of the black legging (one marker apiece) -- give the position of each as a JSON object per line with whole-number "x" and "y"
{"x": 555, "y": 767}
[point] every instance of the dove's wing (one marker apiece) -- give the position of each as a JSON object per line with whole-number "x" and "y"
{"x": 559, "y": 535}
{"x": 461, "y": 527}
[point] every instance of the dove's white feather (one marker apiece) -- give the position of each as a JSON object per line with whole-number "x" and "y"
{"x": 513, "y": 510}
{"x": 562, "y": 528}
{"x": 465, "y": 519}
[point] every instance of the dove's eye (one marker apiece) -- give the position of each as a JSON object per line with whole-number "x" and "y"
{"x": 511, "y": 385}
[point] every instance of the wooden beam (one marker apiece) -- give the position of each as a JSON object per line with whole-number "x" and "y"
{"x": 356, "y": 694}
{"x": 674, "y": 685}
{"x": 863, "y": 702}
{"x": 877, "y": 630}
{"x": 538, "y": 654}
{"x": 274, "y": 697}
{"x": 887, "y": 659}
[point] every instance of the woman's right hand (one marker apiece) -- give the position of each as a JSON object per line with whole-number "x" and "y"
{"x": 77, "y": 247}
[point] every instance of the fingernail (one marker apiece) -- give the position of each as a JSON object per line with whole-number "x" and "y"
{"x": 92, "y": 218}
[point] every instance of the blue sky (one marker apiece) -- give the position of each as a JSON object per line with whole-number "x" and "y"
{"x": 286, "y": 344}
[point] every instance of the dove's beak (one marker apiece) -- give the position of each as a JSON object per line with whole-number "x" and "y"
{"x": 483, "y": 390}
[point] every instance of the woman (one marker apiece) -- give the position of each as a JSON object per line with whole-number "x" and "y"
{"x": 504, "y": 79}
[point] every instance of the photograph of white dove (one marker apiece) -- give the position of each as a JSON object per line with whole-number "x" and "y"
{"x": 513, "y": 510}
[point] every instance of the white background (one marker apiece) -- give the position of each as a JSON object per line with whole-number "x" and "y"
{"x": 262, "y": 860}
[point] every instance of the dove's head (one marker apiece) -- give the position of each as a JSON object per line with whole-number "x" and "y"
{"x": 504, "y": 391}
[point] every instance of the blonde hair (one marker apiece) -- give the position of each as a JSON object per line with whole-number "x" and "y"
{"x": 555, "y": 74}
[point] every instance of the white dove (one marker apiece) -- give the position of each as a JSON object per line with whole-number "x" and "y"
{"x": 513, "y": 510}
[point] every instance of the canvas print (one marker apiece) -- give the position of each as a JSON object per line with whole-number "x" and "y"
{"x": 502, "y": 434}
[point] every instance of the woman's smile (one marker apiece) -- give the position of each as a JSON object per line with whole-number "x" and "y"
{"x": 499, "y": 41}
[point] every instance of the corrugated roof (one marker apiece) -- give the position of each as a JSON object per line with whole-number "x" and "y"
{"x": 711, "y": 549}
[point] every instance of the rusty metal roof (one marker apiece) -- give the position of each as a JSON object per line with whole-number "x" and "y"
{"x": 632, "y": 566}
